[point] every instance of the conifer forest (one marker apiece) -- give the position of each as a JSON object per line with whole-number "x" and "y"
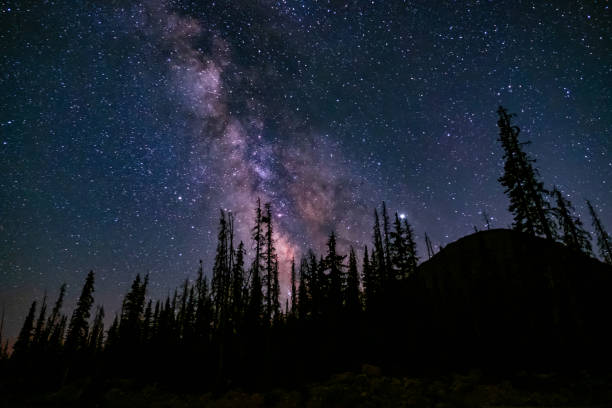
{"x": 305, "y": 203}
{"x": 383, "y": 305}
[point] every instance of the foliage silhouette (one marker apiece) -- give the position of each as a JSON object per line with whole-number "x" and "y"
{"x": 520, "y": 178}
{"x": 457, "y": 309}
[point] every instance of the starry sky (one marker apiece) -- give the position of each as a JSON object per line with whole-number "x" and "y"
{"x": 125, "y": 126}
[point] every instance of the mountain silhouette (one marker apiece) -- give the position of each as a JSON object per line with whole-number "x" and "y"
{"x": 501, "y": 297}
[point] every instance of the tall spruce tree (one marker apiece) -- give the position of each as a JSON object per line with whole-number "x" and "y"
{"x": 221, "y": 272}
{"x": 276, "y": 292}
{"x": 352, "y": 294}
{"x": 293, "y": 288}
{"x": 526, "y": 193}
{"x": 155, "y": 322}
{"x": 130, "y": 323}
{"x": 572, "y": 232}
{"x": 303, "y": 302}
{"x": 379, "y": 267}
{"x": 257, "y": 235}
{"x": 39, "y": 339}
{"x": 78, "y": 329}
{"x": 203, "y": 315}
{"x": 255, "y": 302}
{"x": 95, "y": 341}
{"x": 183, "y": 318}
{"x": 255, "y": 306}
{"x": 315, "y": 285}
{"x": 238, "y": 284}
{"x": 56, "y": 335}
{"x": 604, "y": 242}
{"x": 22, "y": 345}
{"x": 411, "y": 248}
{"x": 188, "y": 318}
{"x": 231, "y": 256}
{"x": 271, "y": 272}
{"x": 147, "y": 323}
{"x": 112, "y": 335}
{"x": 399, "y": 250}
{"x": 389, "y": 274}
{"x": 55, "y": 317}
{"x": 333, "y": 263}
{"x": 404, "y": 257}
{"x": 369, "y": 281}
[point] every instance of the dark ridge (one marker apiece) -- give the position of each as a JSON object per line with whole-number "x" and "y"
{"x": 502, "y": 297}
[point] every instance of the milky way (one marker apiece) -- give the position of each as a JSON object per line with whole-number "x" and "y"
{"x": 125, "y": 127}
{"x": 310, "y": 195}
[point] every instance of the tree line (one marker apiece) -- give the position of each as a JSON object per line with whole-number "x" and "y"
{"x": 228, "y": 322}
{"x": 231, "y": 328}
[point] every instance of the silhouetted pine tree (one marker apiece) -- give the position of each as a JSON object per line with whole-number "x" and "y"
{"x": 221, "y": 273}
{"x": 333, "y": 263}
{"x": 39, "y": 340}
{"x": 271, "y": 275}
{"x": 54, "y": 330}
{"x": 303, "y": 304}
{"x": 604, "y": 242}
{"x": 379, "y": 268}
{"x": 276, "y": 293}
{"x": 352, "y": 295}
{"x": 155, "y": 322}
{"x": 320, "y": 287}
{"x": 22, "y": 345}
{"x": 147, "y": 323}
{"x": 388, "y": 277}
{"x": 238, "y": 285}
{"x": 130, "y": 323}
{"x": 526, "y": 193}
{"x": 112, "y": 335}
{"x": 572, "y": 233}
{"x": 369, "y": 281}
{"x": 314, "y": 291}
{"x": 167, "y": 329}
{"x": 255, "y": 306}
{"x": 56, "y": 339}
{"x": 411, "y": 248}
{"x": 230, "y": 259}
{"x": 255, "y": 302}
{"x": 95, "y": 342}
{"x": 164, "y": 339}
{"x": 399, "y": 251}
{"x": 403, "y": 249}
{"x": 189, "y": 333}
{"x": 181, "y": 318}
{"x": 79, "y": 322}
{"x": 204, "y": 313}
{"x": 186, "y": 315}
{"x": 293, "y": 289}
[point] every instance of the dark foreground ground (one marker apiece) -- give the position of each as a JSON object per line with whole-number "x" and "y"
{"x": 369, "y": 388}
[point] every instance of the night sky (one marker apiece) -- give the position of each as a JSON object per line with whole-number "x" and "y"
{"x": 125, "y": 126}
